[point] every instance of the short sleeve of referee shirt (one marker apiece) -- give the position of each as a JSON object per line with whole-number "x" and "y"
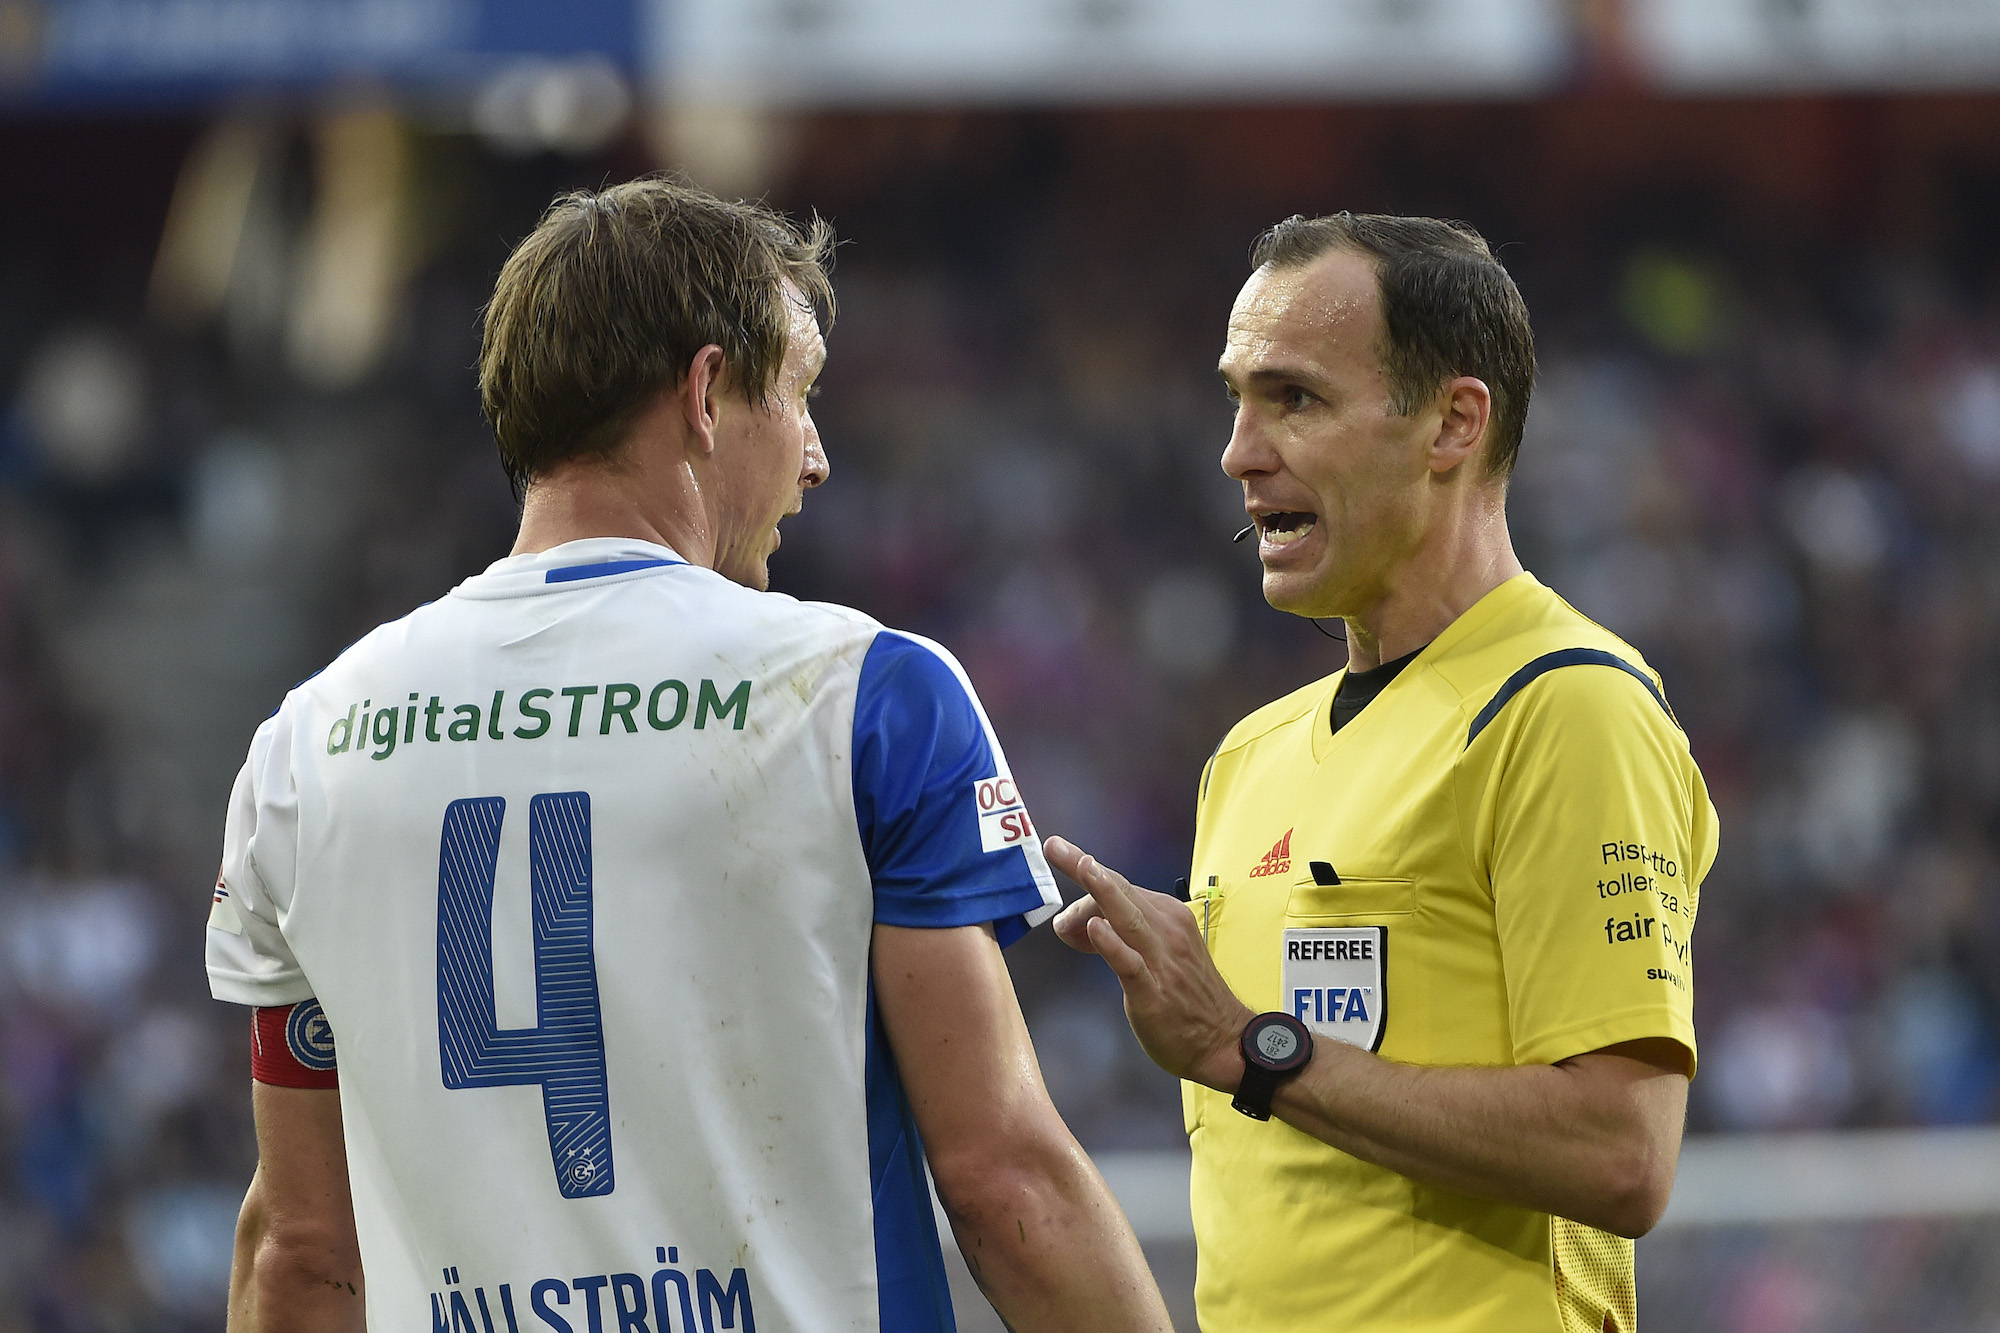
{"x": 249, "y": 961}
{"x": 1601, "y": 832}
{"x": 947, "y": 836}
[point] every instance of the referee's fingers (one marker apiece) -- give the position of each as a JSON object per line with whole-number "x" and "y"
{"x": 1111, "y": 890}
{"x": 1126, "y": 961}
{"x": 1072, "y": 924}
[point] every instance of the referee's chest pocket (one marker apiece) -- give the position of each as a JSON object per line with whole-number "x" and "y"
{"x": 1313, "y": 903}
{"x": 1334, "y": 960}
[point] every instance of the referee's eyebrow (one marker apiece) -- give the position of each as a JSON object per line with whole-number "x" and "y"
{"x": 1269, "y": 375}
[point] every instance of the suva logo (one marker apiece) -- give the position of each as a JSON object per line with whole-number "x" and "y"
{"x": 1003, "y": 819}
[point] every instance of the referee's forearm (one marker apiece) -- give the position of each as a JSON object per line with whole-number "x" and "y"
{"x": 1050, "y": 1246}
{"x": 1573, "y": 1140}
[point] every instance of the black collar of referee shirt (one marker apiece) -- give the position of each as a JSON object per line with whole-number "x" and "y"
{"x": 1359, "y": 688}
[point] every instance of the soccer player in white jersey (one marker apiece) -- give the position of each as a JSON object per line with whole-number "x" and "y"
{"x": 624, "y": 938}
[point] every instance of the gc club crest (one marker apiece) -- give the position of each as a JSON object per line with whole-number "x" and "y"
{"x": 310, "y": 1036}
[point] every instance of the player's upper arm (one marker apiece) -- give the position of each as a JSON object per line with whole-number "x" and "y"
{"x": 946, "y": 834}
{"x": 1600, "y": 831}
{"x": 948, "y": 1008}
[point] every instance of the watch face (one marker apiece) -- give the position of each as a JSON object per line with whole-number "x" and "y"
{"x": 1277, "y": 1042}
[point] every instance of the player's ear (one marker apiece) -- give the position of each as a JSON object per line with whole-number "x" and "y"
{"x": 701, "y": 396}
{"x": 1466, "y": 406}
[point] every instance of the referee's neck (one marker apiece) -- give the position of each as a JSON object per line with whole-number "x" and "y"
{"x": 1442, "y": 579}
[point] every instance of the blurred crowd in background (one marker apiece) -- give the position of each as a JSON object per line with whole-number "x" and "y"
{"x": 241, "y": 427}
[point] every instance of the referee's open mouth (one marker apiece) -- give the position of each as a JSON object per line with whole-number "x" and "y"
{"x": 1280, "y": 529}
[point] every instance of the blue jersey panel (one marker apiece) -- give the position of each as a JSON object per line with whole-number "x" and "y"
{"x": 920, "y": 753}
{"x": 909, "y": 1266}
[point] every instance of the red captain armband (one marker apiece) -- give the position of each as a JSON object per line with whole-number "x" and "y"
{"x": 291, "y": 1046}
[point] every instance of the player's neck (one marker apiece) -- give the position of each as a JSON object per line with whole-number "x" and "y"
{"x": 586, "y": 500}
{"x": 1443, "y": 577}
{"x": 656, "y": 487}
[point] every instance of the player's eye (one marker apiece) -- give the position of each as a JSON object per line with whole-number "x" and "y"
{"x": 812, "y": 391}
{"x": 1292, "y": 398}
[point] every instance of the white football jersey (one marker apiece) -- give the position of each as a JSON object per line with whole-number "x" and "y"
{"x": 581, "y": 862}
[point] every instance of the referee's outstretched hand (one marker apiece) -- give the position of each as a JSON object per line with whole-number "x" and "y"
{"x": 1182, "y": 1011}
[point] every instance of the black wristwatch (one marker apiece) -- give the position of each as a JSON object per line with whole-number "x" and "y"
{"x": 1275, "y": 1047}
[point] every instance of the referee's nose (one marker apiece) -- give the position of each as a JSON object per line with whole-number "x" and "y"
{"x": 1248, "y": 454}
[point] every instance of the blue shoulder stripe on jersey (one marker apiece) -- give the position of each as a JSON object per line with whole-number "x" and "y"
{"x": 920, "y": 753}
{"x": 571, "y": 573}
{"x": 1547, "y": 662}
{"x": 914, "y": 1295}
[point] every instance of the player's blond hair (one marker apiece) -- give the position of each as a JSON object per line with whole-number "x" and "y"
{"x": 607, "y": 301}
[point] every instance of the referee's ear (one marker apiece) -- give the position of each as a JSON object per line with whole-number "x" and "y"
{"x": 1465, "y": 405}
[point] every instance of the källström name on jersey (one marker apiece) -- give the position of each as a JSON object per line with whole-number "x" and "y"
{"x": 569, "y": 1305}
{"x": 618, "y": 708}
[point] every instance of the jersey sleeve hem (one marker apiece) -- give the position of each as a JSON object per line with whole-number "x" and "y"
{"x": 259, "y": 992}
{"x": 1025, "y": 902}
{"x": 1597, "y": 1033}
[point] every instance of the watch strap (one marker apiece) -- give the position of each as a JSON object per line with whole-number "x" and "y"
{"x": 1254, "y": 1093}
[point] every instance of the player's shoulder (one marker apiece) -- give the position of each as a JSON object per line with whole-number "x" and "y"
{"x": 881, "y": 664}
{"x": 388, "y": 638}
{"x": 278, "y": 733}
{"x": 903, "y": 669}
{"x": 849, "y": 632}
{"x": 829, "y": 618}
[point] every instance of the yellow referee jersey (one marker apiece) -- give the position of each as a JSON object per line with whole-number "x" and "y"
{"x": 1496, "y": 863}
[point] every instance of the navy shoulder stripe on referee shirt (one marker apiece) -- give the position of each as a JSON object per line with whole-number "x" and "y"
{"x": 1547, "y": 662}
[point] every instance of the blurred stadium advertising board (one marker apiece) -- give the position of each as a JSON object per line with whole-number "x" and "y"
{"x": 1724, "y": 1180}
{"x": 886, "y": 52}
{"x": 807, "y": 52}
{"x": 1800, "y": 45}
{"x": 91, "y": 52}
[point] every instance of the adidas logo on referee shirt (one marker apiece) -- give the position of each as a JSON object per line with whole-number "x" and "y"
{"x": 1277, "y": 861}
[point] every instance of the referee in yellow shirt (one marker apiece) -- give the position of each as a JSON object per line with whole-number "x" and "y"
{"x": 1433, "y": 1001}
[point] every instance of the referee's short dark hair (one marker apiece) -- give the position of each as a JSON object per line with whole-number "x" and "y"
{"x": 1447, "y": 304}
{"x": 607, "y": 301}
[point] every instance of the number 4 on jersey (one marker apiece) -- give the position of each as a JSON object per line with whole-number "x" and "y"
{"x": 564, "y": 1051}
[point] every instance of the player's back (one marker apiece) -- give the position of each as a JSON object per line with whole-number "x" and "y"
{"x": 572, "y": 865}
